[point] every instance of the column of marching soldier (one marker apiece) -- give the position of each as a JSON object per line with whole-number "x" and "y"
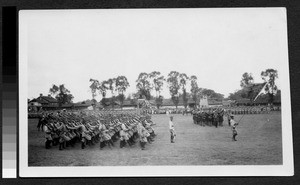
{"x": 66, "y": 128}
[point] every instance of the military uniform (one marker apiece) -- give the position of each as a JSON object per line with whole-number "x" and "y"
{"x": 142, "y": 132}
{"x": 47, "y": 136}
{"x": 233, "y": 128}
{"x": 172, "y": 130}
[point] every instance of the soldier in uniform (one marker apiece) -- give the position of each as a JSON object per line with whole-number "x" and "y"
{"x": 203, "y": 119}
{"x": 41, "y": 122}
{"x": 142, "y": 135}
{"x": 220, "y": 118}
{"x": 150, "y": 131}
{"x": 124, "y": 136}
{"x": 172, "y": 129}
{"x": 62, "y": 135}
{"x": 195, "y": 114}
{"x": 48, "y": 137}
{"x": 233, "y": 125}
{"x": 209, "y": 118}
{"x": 105, "y": 138}
{"x": 228, "y": 117}
{"x": 215, "y": 118}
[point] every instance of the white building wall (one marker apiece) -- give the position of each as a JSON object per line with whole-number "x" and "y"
{"x": 203, "y": 102}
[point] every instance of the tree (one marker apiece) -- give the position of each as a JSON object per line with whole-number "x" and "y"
{"x": 121, "y": 85}
{"x": 247, "y": 79}
{"x": 208, "y": 92}
{"x": 61, "y": 93}
{"x": 212, "y": 94}
{"x": 194, "y": 88}
{"x": 238, "y": 94}
{"x": 103, "y": 87}
{"x": 157, "y": 83}
{"x": 143, "y": 85}
{"x": 159, "y": 101}
{"x": 94, "y": 87}
{"x": 129, "y": 96}
{"x": 183, "y": 79}
{"x": 174, "y": 86}
{"x": 121, "y": 98}
{"x": 136, "y": 95}
{"x": 54, "y": 90}
{"x": 269, "y": 76}
{"x": 112, "y": 86}
{"x": 67, "y": 98}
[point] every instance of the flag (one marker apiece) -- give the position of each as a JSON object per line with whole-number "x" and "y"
{"x": 261, "y": 91}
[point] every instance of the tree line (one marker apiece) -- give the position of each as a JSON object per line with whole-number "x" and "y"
{"x": 147, "y": 82}
{"x": 114, "y": 85}
{"x": 177, "y": 85}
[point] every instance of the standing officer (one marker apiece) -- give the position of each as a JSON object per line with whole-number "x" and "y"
{"x": 172, "y": 129}
{"x": 233, "y": 125}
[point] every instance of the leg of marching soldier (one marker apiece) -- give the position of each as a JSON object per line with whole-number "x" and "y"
{"x": 108, "y": 143}
{"x": 48, "y": 144}
{"x": 111, "y": 142}
{"x": 60, "y": 146}
{"x": 149, "y": 140}
{"x": 143, "y": 145}
{"x": 82, "y": 143}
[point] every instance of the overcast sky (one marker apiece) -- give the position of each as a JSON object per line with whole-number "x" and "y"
{"x": 217, "y": 45}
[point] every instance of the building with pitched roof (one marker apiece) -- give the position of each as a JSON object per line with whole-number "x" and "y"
{"x": 45, "y": 100}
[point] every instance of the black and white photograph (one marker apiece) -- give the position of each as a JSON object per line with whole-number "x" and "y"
{"x": 154, "y": 92}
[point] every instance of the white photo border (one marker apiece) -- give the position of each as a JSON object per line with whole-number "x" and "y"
{"x": 286, "y": 169}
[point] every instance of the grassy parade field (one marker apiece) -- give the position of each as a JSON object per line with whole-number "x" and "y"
{"x": 259, "y": 142}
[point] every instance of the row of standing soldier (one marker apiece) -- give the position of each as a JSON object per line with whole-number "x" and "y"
{"x": 214, "y": 116}
{"x": 208, "y": 117}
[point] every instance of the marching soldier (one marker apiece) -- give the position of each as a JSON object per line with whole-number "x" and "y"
{"x": 123, "y": 136}
{"x": 220, "y": 118}
{"x": 41, "y": 122}
{"x": 142, "y": 135}
{"x": 105, "y": 138}
{"x": 48, "y": 137}
{"x": 149, "y": 130}
{"x": 215, "y": 118}
{"x": 62, "y": 135}
{"x": 203, "y": 118}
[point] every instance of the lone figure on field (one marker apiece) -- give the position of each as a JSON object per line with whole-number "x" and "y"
{"x": 172, "y": 129}
{"x": 168, "y": 112}
{"x": 233, "y": 125}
